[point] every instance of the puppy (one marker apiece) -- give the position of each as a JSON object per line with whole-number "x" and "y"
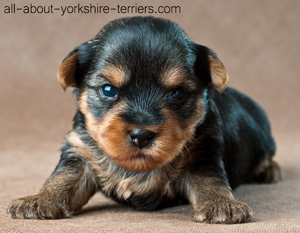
{"x": 152, "y": 128}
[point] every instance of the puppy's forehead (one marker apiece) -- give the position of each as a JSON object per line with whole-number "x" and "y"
{"x": 155, "y": 52}
{"x": 143, "y": 50}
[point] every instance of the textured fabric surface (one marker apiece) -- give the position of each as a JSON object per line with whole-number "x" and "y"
{"x": 259, "y": 43}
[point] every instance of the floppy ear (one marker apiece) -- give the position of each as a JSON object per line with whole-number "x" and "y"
{"x": 67, "y": 70}
{"x": 71, "y": 69}
{"x": 210, "y": 69}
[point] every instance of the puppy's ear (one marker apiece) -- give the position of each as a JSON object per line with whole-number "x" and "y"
{"x": 68, "y": 72}
{"x": 210, "y": 69}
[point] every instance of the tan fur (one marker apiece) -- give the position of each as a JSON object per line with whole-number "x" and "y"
{"x": 79, "y": 147}
{"x": 196, "y": 119}
{"x": 66, "y": 71}
{"x": 116, "y": 179}
{"x": 74, "y": 186}
{"x": 218, "y": 73}
{"x": 203, "y": 188}
{"x": 116, "y": 76}
{"x": 262, "y": 167}
{"x": 273, "y": 173}
{"x": 222, "y": 210}
{"x": 267, "y": 172}
{"x": 174, "y": 76}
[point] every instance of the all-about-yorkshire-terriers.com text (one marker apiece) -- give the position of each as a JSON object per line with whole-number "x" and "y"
{"x": 15, "y": 8}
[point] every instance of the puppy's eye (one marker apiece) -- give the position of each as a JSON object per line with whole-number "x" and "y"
{"x": 109, "y": 91}
{"x": 177, "y": 94}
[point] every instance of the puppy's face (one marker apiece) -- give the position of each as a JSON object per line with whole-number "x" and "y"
{"x": 142, "y": 89}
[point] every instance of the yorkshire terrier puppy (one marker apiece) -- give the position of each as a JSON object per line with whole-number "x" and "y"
{"x": 155, "y": 124}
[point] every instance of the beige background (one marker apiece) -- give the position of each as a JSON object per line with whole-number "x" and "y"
{"x": 257, "y": 40}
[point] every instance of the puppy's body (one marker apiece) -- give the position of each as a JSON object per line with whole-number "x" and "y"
{"x": 152, "y": 128}
{"x": 148, "y": 190}
{"x": 248, "y": 144}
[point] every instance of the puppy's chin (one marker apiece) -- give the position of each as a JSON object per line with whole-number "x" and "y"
{"x": 139, "y": 162}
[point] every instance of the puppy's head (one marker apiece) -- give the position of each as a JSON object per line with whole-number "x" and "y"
{"x": 142, "y": 89}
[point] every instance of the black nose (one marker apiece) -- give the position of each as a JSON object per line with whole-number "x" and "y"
{"x": 141, "y": 138}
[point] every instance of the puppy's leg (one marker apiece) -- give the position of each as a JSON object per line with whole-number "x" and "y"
{"x": 213, "y": 201}
{"x": 206, "y": 186}
{"x": 267, "y": 172}
{"x": 69, "y": 187}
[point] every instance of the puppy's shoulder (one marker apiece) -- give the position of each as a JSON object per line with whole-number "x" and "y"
{"x": 232, "y": 101}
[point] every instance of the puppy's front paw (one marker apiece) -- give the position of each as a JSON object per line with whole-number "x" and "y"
{"x": 223, "y": 210}
{"x": 38, "y": 207}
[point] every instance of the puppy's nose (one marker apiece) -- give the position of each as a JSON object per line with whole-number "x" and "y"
{"x": 141, "y": 138}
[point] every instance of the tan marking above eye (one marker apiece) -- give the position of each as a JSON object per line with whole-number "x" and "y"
{"x": 116, "y": 76}
{"x": 173, "y": 77}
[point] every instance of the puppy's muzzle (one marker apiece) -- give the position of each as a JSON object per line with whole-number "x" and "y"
{"x": 141, "y": 138}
